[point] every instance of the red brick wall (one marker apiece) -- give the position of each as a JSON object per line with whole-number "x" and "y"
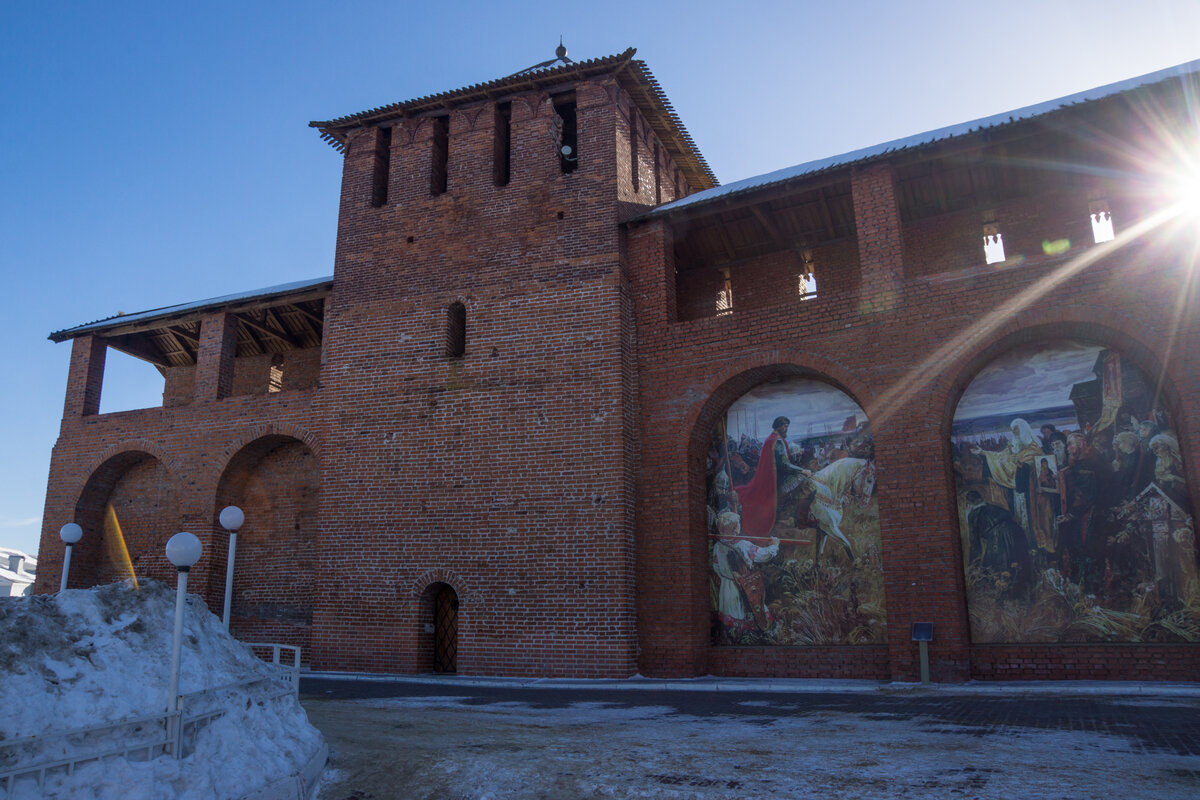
{"x": 505, "y": 471}
{"x": 906, "y": 363}
{"x": 767, "y": 280}
{"x": 275, "y": 481}
{"x": 179, "y": 386}
{"x": 553, "y": 474}
{"x": 300, "y": 368}
{"x": 140, "y": 491}
{"x": 951, "y": 242}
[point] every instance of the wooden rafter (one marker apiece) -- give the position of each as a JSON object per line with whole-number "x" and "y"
{"x": 769, "y": 227}
{"x": 175, "y": 339}
{"x": 272, "y": 315}
{"x": 311, "y": 317}
{"x": 139, "y": 348}
{"x": 726, "y": 242}
{"x": 183, "y": 333}
{"x": 303, "y": 322}
{"x": 254, "y": 340}
{"x": 265, "y": 331}
{"x": 826, "y": 215}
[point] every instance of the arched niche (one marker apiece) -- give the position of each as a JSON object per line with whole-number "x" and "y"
{"x": 275, "y": 481}
{"x": 128, "y": 511}
{"x": 792, "y": 528}
{"x": 1072, "y": 499}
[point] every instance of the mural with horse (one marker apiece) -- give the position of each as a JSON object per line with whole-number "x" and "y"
{"x": 793, "y": 528}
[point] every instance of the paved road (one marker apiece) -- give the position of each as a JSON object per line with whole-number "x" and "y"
{"x": 453, "y": 739}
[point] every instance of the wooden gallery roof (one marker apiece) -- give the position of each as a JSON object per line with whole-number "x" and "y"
{"x": 272, "y": 320}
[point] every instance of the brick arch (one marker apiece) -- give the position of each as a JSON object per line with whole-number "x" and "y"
{"x": 132, "y": 447}
{"x": 722, "y": 391}
{"x": 469, "y": 116}
{"x": 137, "y": 481}
{"x": 734, "y": 381}
{"x": 264, "y": 430}
{"x": 1114, "y": 333}
{"x": 440, "y": 575}
{"x": 273, "y": 475}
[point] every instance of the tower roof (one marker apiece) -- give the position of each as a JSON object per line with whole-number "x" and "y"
{"x": 632, "y": 74}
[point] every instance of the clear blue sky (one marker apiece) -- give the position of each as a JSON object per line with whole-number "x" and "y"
{"x": 158, "y": 152}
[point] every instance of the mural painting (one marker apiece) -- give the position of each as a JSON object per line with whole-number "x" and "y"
{"x": 1073, "y": 503}
{"x": 793, "y": 529}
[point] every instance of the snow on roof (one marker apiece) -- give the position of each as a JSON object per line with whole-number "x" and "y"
{"x": 909, "y": 142}
{"x": 166, "y": 311}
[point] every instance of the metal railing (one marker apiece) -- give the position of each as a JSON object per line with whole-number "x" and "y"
{"x": 146, "y": 736}
{"x": 288, "y": 672}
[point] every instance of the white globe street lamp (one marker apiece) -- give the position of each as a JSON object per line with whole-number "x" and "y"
{"x": 70, "y": 534}
{"x": 231, "y": 519}
{"x": 183, "y": 550}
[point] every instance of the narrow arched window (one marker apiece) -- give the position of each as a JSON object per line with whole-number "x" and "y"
{"x": 440, "y": 161}
{"x": 380, "y": 167}
{"x": 456, "y": 330}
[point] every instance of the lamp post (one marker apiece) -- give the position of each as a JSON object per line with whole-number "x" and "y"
{"x": 183, "y": 550}
{"x": 231, "y": 519}
{"x": 70, "y": 534}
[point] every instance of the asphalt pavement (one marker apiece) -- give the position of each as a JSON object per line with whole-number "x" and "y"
{"x": 451, "y": 736}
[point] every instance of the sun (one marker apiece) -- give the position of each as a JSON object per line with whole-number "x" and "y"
{"x": 1183, "y": 183}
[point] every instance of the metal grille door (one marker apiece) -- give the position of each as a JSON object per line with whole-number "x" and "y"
{"x": 445, "y": 626}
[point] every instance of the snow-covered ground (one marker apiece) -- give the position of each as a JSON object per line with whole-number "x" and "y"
{"x": 433, "y": 748}
{"x": 94, "y": 656}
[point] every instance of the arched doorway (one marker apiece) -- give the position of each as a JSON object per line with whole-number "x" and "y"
{"x": 445, "y": 629}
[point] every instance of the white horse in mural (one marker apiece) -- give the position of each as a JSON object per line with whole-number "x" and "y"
{"x": 846, "y": 478}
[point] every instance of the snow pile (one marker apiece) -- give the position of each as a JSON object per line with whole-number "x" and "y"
{"x": 91, "y": 657}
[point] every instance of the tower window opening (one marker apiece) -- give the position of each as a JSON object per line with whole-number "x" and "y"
{"x": 657, "y": 178}
{"x": 441, "y": 155}
{"x": 456, "y": 330}
{"x": 993, "y": 244}
{"x": 1102, "y": 224}
{"x": 634, "y": 158}
{"x": 724, "y": 304}
{"x": 565, "y": 132}
{"x": 381, "y": 166}
{"x": 501, "y": 144}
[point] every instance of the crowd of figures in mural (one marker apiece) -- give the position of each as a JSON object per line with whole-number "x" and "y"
{"x": 1073, "y": 505}
{"x": 793, "y": 528}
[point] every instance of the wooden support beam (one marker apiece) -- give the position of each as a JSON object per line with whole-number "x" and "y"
{"x": 939, "y": 190}
{"x": 254, "y": 340}
{"x": 313, "y": 318}
{"x": 184, "y": 333}
{"x": 826, "y": 216}
{"x": 138, "y": 348}
{"x": 272, "y": 315}
{"x": 304, "y": 322}
{"x": 252, "y": 326}
{"x": 769, "y": 227}
{"x": 175, "y": 339}
{"x": 726, "y": 243}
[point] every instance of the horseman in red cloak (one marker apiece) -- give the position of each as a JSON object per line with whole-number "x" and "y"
{"x": 759, "y": 498}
